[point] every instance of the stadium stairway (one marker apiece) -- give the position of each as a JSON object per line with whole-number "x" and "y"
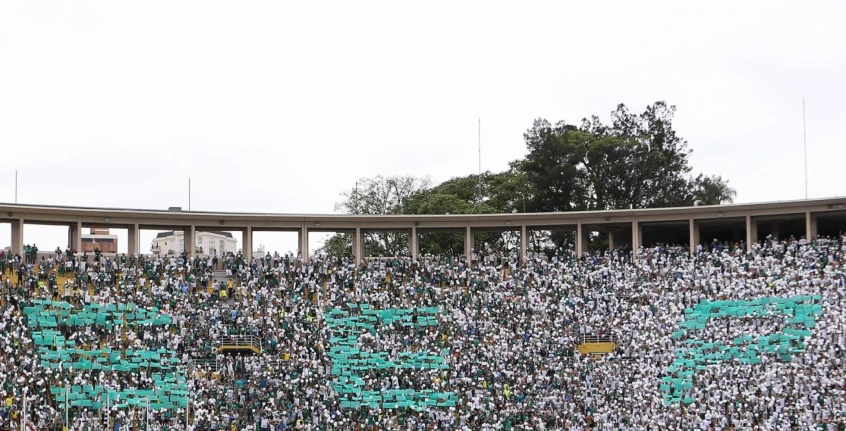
{"x": 219, "y": 275}
{"x": 597, "y": 344}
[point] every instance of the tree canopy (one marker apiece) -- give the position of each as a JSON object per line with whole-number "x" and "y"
{"x": 633, "y": 161}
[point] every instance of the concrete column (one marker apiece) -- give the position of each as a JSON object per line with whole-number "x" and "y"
{"x": 524, "y": 243}
{"x": 694, "y": 235}
{"x": 189, "y": 234}
{"x": 247, "y": 246}
{"x": 468, "y": 244}
{"x": 133, "y": 236}
{"x": 810, "y": 225}
{"x": 304, "y": 243}
{"x": 357, "y": 246}
{"x": 637, "y": 237}
{"x": 413, "y": 244}
{"x": 17, "y": 236}
{"x": 76, "y": 230}
{"x": 751, "y": 232}
{"x": 774, "y": 232}
{"x": 610, "y": 240}
{"x": 580, "y": 239}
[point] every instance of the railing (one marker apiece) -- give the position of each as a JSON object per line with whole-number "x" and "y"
{"x": 277, "y": 363}
{"x": 251, "y": 341}
{"x": 210, "y": 364}
{"x": 593, "y": 338}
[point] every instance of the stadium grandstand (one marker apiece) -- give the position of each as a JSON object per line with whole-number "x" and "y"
{"x": 723, "y": 317}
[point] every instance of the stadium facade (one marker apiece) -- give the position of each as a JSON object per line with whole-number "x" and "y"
{"x": 631, "y": 227}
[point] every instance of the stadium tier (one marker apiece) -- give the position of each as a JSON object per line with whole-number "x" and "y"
{"x": 727, "y": 337}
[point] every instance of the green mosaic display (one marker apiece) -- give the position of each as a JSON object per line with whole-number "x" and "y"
{"x": 55, "y": 351}
{"x": 799, "y": 314}
{"x": 350, "y": 363}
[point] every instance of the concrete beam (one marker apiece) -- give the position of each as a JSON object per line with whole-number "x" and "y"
{"x": 598, "y": 220}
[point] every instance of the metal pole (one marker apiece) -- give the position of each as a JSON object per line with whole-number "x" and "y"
{"x": 67, "y": 401}
{"x": 524, "y": 194}
{"x": 16, "y": 186}
{"x": 189, "y": 194}
{"x": 480, "y": 160}
{"x": 23, "y": 413}
{"x": 805, "y": 140}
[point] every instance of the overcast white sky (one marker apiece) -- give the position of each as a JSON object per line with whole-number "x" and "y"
{"x": 278, "y": 106}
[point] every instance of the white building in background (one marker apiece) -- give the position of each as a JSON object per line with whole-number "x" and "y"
{"x": 173, "y": 242}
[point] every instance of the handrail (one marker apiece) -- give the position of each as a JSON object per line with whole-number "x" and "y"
{"x": 240, "y": 341}
{"x": 207, "y": 363}
{"x": 593, "y": 338}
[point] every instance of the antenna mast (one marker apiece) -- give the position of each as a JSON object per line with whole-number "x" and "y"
{"x": 480, "y": 160}
{"x": 805, "y": 140}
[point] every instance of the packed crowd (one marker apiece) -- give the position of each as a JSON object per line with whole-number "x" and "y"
{"x": 506, "y": 332}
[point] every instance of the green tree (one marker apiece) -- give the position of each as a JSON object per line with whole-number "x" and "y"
{"x": 337, "y": 245}
{"x": 491, "y": 193}
{"x": 711, "y": 190}
{"x": 633, "y": 161}
{"x": 376, "y": 196}
{"x": 636, "y": 161}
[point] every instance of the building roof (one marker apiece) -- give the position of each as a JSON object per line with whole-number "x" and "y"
{"x": 170, "y": 233}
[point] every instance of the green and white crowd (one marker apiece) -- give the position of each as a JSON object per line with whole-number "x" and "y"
{"x": 507, "y": 329}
